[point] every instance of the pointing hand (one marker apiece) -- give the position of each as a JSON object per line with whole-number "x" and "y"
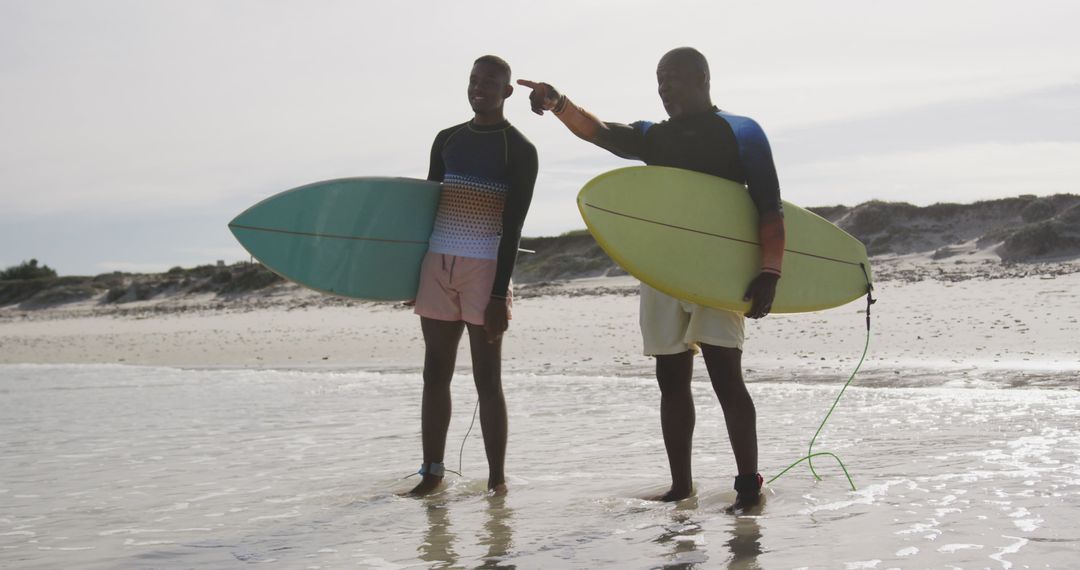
{"x": 544, "y": 97}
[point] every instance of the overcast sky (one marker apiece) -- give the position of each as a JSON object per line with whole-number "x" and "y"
{"x": 131, "y": 132}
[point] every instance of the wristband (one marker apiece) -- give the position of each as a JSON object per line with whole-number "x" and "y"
{"x": 560, "y": 105}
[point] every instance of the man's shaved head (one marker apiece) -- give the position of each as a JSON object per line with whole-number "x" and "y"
{"x": 682, "y": 78}
{"x": 689, "y": 57}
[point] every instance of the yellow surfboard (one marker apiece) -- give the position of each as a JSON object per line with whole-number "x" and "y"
{"x": 695, "y": 237}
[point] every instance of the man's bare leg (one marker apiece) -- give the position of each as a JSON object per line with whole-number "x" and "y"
{"x": 441, "y": 340}
{"x": 487, "y": 373}
{"x": 740, "y": 416}
{"x": 677, "y": 417}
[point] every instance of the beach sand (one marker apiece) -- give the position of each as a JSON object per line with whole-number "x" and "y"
{"x": 971, "y": 328}
{"x": 276, "y": 430}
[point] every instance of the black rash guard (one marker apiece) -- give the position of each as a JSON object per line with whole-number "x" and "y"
{"x": 714, "y": 142}
{"x": 488, "y": 174}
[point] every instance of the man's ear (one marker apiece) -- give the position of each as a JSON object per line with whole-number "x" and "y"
{"x": 508, "y": 91}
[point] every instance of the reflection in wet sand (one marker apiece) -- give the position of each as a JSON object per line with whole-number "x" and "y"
{"x": 685, "y": 539}
{"x": 745, "y": 543}
{"x": 438, "y": 545}
{"x": 441, "y": 544}
{"x": 498, "y": 534}
{"x": 683, "y": 536}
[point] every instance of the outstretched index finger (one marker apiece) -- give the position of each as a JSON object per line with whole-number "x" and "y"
{"x": 529, "y": 84}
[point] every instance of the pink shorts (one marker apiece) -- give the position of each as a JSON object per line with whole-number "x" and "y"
{"x": 456, "y": 288}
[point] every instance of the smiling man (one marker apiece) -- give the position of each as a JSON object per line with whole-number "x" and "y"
{"x": 487, "y": 169}
{"x": 703, "y": 138}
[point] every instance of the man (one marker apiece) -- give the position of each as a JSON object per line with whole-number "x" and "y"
{"x": 697, "y": 137}
{"x": 487, "y": 169}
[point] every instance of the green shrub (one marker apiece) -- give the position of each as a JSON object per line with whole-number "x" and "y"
{"x": 14, "y": 291}
{"x": 203, "y": 271}
{"x": 221, "y": 276}
{"x": 251, "y": 279}
{"x": 27, "y": 270}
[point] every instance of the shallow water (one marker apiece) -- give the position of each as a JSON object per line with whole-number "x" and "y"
{"x": 130, "y": 467}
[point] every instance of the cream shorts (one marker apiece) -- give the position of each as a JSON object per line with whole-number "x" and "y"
{"x": 456, "y": 288}
{"x": 672, "y": 326}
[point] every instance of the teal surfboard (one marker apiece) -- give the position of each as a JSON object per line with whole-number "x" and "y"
{"x": 355, "y": 237}
{"x": 695, "y": 237}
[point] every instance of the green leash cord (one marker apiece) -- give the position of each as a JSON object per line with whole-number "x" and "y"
{"x": 810, "y": 455}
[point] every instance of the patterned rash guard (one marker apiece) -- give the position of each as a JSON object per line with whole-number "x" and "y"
{"x": 488, "y": 173}
{"x": 714, "y": 142}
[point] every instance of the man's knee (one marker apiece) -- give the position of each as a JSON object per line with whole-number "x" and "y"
{"x": 488, "y": 380}
{"x": 673, "y": 372}
{"x": 438, "y": 367}
{"x": 437, "y": 378}
{"x": 725, "y": 370}
{"x": 490, "y": 396}
{"x": 723, "y": 360}
{"x": 681, "y": 364}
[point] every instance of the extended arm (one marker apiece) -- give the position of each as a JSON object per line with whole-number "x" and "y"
{"x": 621, "y": 140}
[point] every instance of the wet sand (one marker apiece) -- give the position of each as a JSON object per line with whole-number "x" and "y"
{"x": 110, "y": 466}
{"x": 976, "y": 329}
{"x": 277, "y": 429}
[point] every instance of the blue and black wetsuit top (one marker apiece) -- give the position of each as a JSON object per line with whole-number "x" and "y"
{"x": 714, "y": 142}
{"x": 488, "y": 173}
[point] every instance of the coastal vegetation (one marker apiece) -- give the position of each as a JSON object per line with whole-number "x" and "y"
{"x": 1026, "y": 234}
{"x": 27, "y": 270}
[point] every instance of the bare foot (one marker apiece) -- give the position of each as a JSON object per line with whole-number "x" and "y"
{"x": 497, "y": 490}
{"x": 673, "y": 495}
{"x": 428, "y": 485}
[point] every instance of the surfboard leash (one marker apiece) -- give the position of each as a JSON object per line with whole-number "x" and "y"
{"x": 810, "y": 455}
{"x": 461, "y": 452}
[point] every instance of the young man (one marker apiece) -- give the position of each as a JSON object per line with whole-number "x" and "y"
{"x": 697, "y": 137}
{"x": 487, "y": 169}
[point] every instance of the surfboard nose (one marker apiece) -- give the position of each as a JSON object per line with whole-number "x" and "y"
{"x": 354, "y": 237}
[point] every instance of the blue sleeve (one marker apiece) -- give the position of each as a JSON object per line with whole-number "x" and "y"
{"x": 757, "y": 161}
{"x": 642, "y": 126}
